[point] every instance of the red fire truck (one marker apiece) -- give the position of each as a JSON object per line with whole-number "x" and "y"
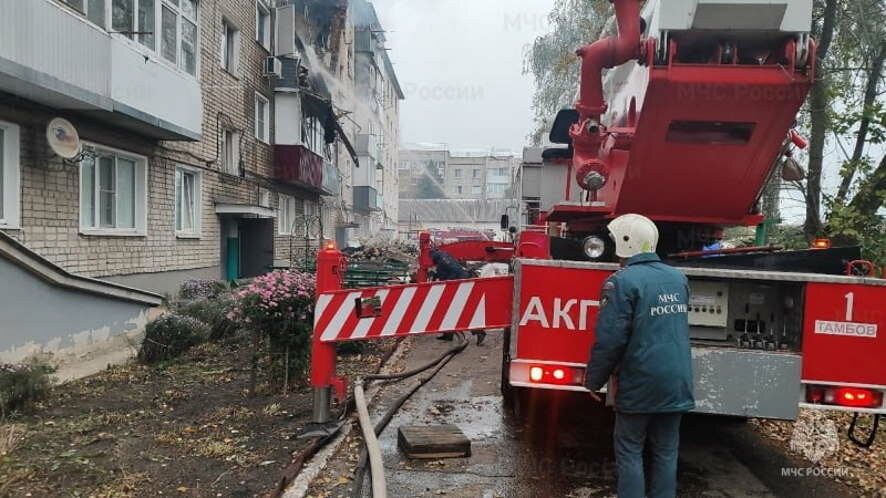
{"x": 691, "y": 120}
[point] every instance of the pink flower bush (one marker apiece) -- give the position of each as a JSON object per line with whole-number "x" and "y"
{"x": 279, "y": 306}
{"x": 276, "y": 298}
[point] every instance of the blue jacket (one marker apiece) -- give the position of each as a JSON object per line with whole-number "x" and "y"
{"x": 642, "y": 334}
{"x": 448, "y": 268}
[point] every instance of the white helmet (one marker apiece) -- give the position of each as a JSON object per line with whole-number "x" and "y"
{"x": 633, "y": 234}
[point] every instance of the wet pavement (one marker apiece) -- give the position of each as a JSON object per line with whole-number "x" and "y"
{"x": 561, "y": 447}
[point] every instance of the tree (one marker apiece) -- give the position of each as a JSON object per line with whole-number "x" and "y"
{"x": 430, "y": 184}
{"x": 552, "y": 62}
{"x": 823, "y": 30}
{"x": 845, "y": 105}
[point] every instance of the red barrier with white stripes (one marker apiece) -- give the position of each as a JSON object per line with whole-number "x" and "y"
{"x": 414, "y": 309}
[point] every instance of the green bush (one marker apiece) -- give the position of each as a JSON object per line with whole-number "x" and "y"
{"x": 212, "y": 312}
{"x": 171, "y": 335}
{"x": 23, "y": 384}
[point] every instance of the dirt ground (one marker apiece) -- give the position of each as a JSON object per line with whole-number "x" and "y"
{"x": 862, "y": 468}
{"x": 187, "y": 428}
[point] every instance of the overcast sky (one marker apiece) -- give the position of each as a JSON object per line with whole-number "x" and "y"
{"x": 460, "y": 64}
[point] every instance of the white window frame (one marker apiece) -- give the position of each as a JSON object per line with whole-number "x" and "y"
{"x": 234, "y": 66}
{"x": 476, "y": 190}
{"x": 140, "y": 217}
{"x": 263, "y": 121}
{"x": 312, "y": 134}
{"x": 10, "y": 176}
{"x": 263, "y": 17}
{"x": 197, "y": 230}
{"x": 458, "y": 172}
{"x": 233, "y": 168}
{"x": 86, "y": 10}
{"x": 459, "y": 189}
{"x": 286, "y": 213}
{"x": 181, "y": 18}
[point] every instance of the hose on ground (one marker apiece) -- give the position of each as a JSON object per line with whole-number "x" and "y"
{"x": 379, "y": 489}
{"x": 439, "y": 363}
{"x": 318, "y": 442}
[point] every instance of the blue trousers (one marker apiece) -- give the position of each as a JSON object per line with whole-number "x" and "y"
{"x": 661, "y": 431}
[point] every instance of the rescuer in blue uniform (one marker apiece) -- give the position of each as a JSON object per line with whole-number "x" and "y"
{"x": 448, "y": 268}
{"x": 642, "y": 342}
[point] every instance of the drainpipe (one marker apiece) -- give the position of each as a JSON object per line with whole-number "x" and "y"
{"x": 607, "y": 53}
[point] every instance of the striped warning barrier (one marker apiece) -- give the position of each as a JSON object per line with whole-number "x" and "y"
{"x": 435, "y": 307}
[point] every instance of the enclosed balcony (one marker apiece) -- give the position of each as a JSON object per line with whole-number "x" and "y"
{"x": 55, "y": 55}
{"x": 299, "y": 166}
{"x": 366, "y": 199}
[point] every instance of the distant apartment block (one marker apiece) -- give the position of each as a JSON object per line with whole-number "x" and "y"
{"x": 459, "y": 174}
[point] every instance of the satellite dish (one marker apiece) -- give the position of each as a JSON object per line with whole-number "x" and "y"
{"x": 63, "y": 138}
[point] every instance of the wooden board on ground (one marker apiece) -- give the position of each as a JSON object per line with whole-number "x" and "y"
{"x": 433, "y": 441}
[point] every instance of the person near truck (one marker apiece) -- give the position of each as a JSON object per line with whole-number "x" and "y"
{"x": 448, "y": 268}
{"x": 642, "y": 349}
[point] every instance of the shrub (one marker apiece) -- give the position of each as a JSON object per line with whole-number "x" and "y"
{"x": 23, "y": 384}
{"x": 202, "y": 289}
{"x": 279, "y": 306}
{"x": 212, "y": 312}
{"x": 171, "y": 335}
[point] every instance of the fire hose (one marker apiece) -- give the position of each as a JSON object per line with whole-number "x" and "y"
{"x": 372, "y": 452}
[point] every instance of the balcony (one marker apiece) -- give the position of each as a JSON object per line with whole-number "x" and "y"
{"x": 55, "y": 57}
{"x": 368, "y": 147}
{"x": 366, "y": 199}
{"x": 331, "y": 179}
{"x": 299, "y": 166}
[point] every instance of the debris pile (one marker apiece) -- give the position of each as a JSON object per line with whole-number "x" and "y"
{"x": 383, "y": 251}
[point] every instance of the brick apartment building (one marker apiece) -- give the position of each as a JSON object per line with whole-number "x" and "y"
{"x": 212, "y": 144}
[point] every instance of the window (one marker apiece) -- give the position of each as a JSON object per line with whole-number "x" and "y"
{"x": 138, "y": 20}
{"x": 475, "y": 173}
{"x": 458, "y": 172}
{"x": 9, "y": 175}
{"x": 312, "y": 134}
{"x": 264, "y": 197}
{"x": 94, "y": 10}
{"x": 286, "y": 214}
{"x": 230, "y": 151}
{"x": 168, "y": 34}
{"x": 146, "y": 22}
{"x": 459, "y": 189}
{"x": 475, "y": 190}
{"x": 123, "y": 17}
{"x": 262, "y": 118}
{"x": 188, "y": 190}
{"x": 113, "y": 197}
{"x": 263, "y": 24}
{"x": 189, "y": 36}
{"x": 230, "y": 47}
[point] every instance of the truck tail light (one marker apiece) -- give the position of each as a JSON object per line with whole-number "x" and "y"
{"x": 850, "y": 396}
{"x": 550, "y": 374}
{"x": 854, "y": 397}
